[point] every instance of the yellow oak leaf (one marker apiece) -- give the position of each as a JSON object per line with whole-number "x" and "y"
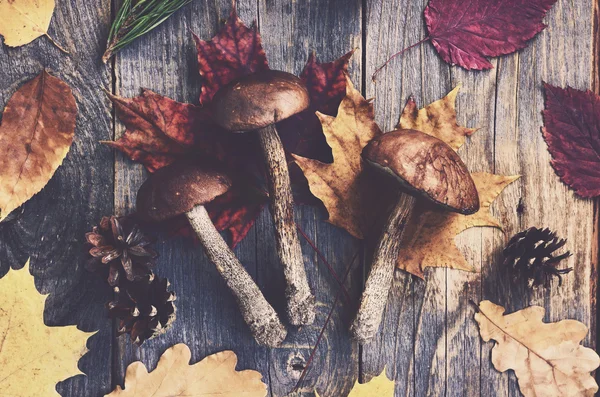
{"x": 379, "y": 386}
{"x": 174, "y": 376}
{"x": 341, "y": 185}
{"x": 430, "y": 235}
{"x": 36, "y": 133}
{"x": 33, "y": 356}
{"x": 437, "y": 119}
{"x": 24, "y": 20}
{"x": 546, "y": 357}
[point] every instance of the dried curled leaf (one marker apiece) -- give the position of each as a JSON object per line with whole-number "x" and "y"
{"x": 23, "y": 21}
{"x": 432, "y": 231}
{"x": 37, "y": 130}
{"x": 341, "y": 185}
{"x": 546, "y": 357}
{"x": 379, "y": 386}
{"x": 33, "y": 356}
{"x": 174, "y": 376}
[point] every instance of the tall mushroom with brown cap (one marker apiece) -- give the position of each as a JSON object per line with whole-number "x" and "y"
{"x": 427, "y": 169}
{"x": 183, "y": 188}
{"x": 255, "y": 103}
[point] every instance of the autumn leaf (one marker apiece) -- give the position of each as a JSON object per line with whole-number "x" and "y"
{"x": 160, "y": 131}
{"x": 546, "y": 357}
{"x": 24, "y": 20}
{"x": 37, "y": 130}
{"x": 379, "y": 386}
{"x": 33, "y": 356}
{"x": 430, "y": 235}
{"x": 572, "y": 132}
{"x": 341, "y": 185}
{"x": 174, "y": 376}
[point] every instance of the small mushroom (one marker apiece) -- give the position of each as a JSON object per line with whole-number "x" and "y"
{"x": 427, "y": 169}
{"x": 184, "y": 188}
{"x": 255, "y": 103}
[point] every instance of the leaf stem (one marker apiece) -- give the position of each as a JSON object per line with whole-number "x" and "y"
{"x": 56, "y": 44}
{"x": 396, "y": 55}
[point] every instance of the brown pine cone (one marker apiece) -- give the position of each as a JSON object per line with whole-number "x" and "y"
{"x": 144, "y": 307}
{"x": 118, "y": 246}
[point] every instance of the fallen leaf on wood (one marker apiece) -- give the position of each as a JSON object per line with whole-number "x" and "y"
{"x": 33, "y": 356}
{"x": 379, "y": 386}
{"x": 24, "y": 20}
{"x": 174, "y": 376}
{"x": 572, "y": 132}
{"x": 430, "y": 234}
{"x": 37, "y": 130}
{"x": 161, "y": 131}
{"x": 437, "y": 119}
{"x": 546, "y": 357}
{"x": 341, "y": 185}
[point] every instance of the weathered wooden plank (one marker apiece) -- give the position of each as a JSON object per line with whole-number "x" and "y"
{"x": 290, "y": 32}
{"x": 50, "y": 228}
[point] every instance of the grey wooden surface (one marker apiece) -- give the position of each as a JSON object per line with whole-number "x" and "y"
{"x": 430, "y": 344}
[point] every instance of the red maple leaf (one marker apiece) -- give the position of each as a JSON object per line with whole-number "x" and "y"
{"x": 161, "y": 130}
{"x": 572, "y": 132}
{"x": 465, "y": 33}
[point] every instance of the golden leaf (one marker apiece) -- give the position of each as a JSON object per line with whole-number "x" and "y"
{"x": 33, "y": 356}
{"x": 174, "y": 376}
{"x": 430, "y": 235}
{"x": 379, "y": 386}
{"x": 341, "y": 185}
{"x": 546, "y": 357}
{"x": 35, "y": 136}
{"x": 437, "y": 119}
{"x": 24, "y": 20}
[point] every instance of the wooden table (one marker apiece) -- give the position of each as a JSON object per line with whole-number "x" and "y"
{"x": 431, "y": 345}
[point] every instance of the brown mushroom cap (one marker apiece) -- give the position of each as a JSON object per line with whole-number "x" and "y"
{"x": 258, "y": 100}
{"x": 178, "y": 188}
{"x": 426, "y": 166}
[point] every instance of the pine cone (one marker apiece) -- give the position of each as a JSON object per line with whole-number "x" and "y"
{"x": 144, "y": 307}
{"x": 119, "y": 246}
{"x": 529, "y": 256}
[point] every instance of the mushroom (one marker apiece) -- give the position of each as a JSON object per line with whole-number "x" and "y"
{"x": 256, "y": 102}
{"x": 426, "y": 169}
{"x": 184, "y": 188}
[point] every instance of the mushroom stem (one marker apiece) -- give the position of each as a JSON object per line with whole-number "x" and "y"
{"x": 300, "y": 300}
{"x": 257, "y": 312}
{"x": 379, "y": 282}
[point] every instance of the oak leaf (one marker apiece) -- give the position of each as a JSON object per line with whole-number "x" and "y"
{"x": 33, "y": 356}
{"x": 465, "y": 34}
{"x": 572, "y": 132}
{"x": 24, "y": 20}
{"x": 430, "y": 235}
{"x": 37, "y": 130}
{"x": 379, "y": 386}
{"x": 546, "y": 357}
{"x": 341, "y": 185}
{"x": 174, "y": 376}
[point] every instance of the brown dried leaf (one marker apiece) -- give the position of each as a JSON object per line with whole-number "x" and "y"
{"x": 24, "y": 20}
{"x": 174, "y": 376}
{"x": 341, "y": 185}
{"x": 432, "y": 231}
{"x": 37, "y": 130}
{"x": 33, "y": 356}
{"x": 546, "y": 357}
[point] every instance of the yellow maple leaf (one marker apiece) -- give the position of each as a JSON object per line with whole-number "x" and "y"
{"x": 33, "y": 356}
{"x": 430, "y": 235}
{"x": 379, "y": 386}
{"x": 24, "y": 20}
{"x": 174, "y": 376}
{"x": 546, "y": 357}
{"x": 340, "y": 185}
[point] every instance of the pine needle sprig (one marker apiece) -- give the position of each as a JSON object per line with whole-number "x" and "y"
{"x": 136, "y": 18}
